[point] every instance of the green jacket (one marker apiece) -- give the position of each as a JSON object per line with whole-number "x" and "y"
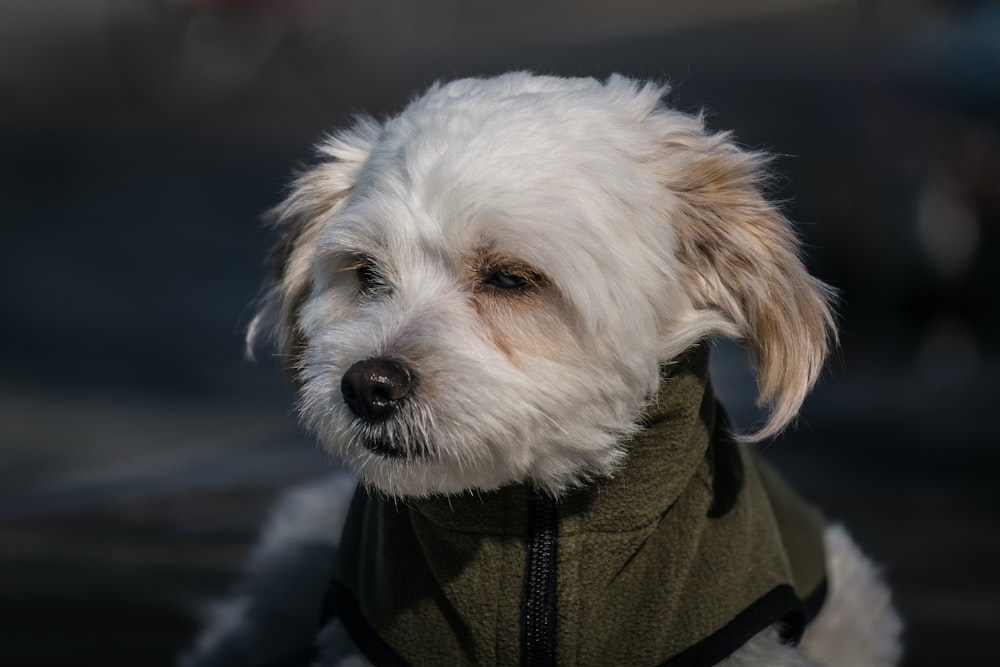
{"x": 685, "y": 553}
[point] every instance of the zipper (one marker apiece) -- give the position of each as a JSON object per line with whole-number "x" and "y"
{"x": 538, "y": 600}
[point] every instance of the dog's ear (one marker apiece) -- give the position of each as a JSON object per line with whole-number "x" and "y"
{"x": 313, "y": 197}
{"x": 743, "y": 263}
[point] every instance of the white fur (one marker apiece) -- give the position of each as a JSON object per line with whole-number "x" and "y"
{"x": 637, "y": 233}
{"x": 274, "y": 611}
{"x": 858, "y": 607}
{"x": 766, "y": 648}
{"x": 458, "y": 170}
{"x": 650, "y": 232}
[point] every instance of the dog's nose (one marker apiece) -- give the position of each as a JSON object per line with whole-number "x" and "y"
{"x": 374, "y": 388}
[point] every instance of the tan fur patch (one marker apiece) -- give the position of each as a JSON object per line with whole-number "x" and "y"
{"x": 300, "y": 219}
{"x": 743, "y": 258}
{"x": 532, "y": 321}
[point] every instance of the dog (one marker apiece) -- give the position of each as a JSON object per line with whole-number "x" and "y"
{"x": 496, "y": 308}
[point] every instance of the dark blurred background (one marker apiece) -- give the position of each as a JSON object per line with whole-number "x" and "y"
{"x": 141, "y": 139}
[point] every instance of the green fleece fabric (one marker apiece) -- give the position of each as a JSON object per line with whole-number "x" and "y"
{"x": 653, "y": 563}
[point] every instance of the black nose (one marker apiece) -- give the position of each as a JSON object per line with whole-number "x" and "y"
{"x": 374, "y": 388}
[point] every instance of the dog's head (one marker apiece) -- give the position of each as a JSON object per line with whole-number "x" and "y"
{"x": 483, "y": 288}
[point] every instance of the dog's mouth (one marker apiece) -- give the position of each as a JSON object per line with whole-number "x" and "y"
{"x": 385, "y": 448}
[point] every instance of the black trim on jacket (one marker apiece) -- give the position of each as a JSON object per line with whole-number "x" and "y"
{"x": 780, "y": 605}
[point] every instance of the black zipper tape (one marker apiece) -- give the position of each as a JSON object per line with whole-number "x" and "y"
{"x": 538, "y": 600}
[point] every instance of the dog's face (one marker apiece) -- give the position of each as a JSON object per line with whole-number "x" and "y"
{"x": 483, "y": 289}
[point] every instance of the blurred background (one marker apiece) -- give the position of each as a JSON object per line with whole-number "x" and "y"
{"x": 141, "y": 139}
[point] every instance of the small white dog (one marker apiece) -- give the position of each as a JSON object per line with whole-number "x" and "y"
{"x": 495, "y": 309}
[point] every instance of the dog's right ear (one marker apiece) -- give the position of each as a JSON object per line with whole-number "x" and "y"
{"x": 314, "y": 196}
{"x": 743, "y": 268}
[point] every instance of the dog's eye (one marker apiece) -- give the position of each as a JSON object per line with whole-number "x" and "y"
{"x": 370, "y": 279}
{"x": 507, "y": 281}
{"x": 512, "y": 280}
{"x": 504, "y": 276}
{"x": 367, "y": 275}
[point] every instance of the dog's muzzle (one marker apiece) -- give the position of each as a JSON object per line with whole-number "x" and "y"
{"x": 374, "y": 388}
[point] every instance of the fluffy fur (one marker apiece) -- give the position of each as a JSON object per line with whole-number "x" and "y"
{"x": 532, "y": 250}
{"x": 640, "y": 232}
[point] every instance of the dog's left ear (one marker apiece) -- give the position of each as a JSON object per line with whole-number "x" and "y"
{"x": 314, "y": 196}
{"x": 743, "y": 263}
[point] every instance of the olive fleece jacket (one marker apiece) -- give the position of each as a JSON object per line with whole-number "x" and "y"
{"x": 687, "y": 551}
